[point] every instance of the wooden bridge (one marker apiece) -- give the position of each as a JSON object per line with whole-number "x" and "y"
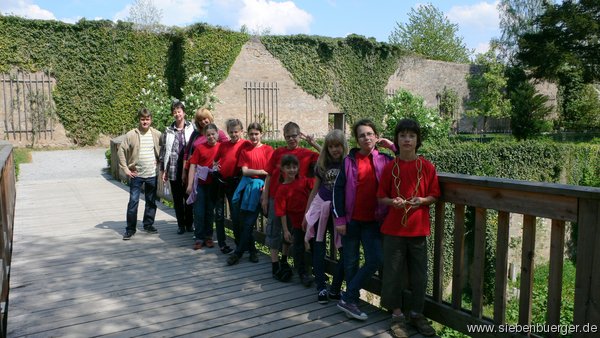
{"x": 71, "y": 275}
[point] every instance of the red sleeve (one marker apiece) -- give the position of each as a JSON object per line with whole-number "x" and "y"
{"x": 280, "y": 201}
{"x": 272, "y": 163}
{"x": 195, "y": 159}
{"x": 243, "y": 160}
{"x": 385, "y": 182}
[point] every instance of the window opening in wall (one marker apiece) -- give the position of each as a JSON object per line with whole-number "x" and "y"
{"x": 262, "y": 105}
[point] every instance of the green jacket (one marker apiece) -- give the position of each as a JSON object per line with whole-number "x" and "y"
{"x": 129, "y": 150}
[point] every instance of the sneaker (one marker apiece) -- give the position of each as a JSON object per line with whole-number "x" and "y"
{"x": 352, "y": 310}
{"x": 306, "y": 280}
{"x": 322, "y": 297}
{"x": 150, "y": 229}
{"x": 253, "y": 257}
{"x": 334, "y": 295}
{"x": 197, "y": 245}
{"x": 233, "y": 259}
{"x": 209, "y": 243}
{"x": 422, "y": 324}
{"x": 226, "y": 249}
{"x": 398, "y": 328}
{"x": 127, "y": 235}
{"x": 181, "y": 231}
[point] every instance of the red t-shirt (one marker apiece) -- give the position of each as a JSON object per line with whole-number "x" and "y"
{"x": 307, "y": 159}
{"x": 366, "y": 189}
{"x": 228, "y": 155}
{"x": 405, "y": 175}
{"x": 204, "y": 156}
{"x": 291, "y": 199}
{"x": 255, "y": 158}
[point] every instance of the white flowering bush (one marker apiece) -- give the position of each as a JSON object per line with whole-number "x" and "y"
{"x": 155, "y": 97}
{"x": 434, "y": 128}
{"x": 198, "y": 92}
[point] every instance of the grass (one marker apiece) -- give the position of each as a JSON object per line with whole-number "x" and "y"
{"x": 21, "y": 155}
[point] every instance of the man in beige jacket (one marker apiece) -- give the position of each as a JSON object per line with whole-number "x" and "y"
{"x": 138, "y": 158}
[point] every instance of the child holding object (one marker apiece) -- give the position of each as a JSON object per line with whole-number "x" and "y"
{"x": 408, "y": 185}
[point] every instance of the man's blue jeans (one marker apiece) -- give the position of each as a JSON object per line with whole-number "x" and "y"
{"x": 135, "y": 187}
{"x": 367, "y": 234}
{"x": 248, "y": 221}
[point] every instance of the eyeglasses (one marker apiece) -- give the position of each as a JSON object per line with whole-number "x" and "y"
{"x": 287, "y": 137}
{"x": 366, "y": 135}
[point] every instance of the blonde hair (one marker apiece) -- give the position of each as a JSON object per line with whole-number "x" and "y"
{"x": 334, "y": 137}
{"x": 201, "y": 114}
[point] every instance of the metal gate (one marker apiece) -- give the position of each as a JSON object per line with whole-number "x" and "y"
{"x": 262, "y": 102}
{"x": 27, "y": 108}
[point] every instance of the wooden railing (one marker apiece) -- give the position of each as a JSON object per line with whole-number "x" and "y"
{"x": 558, "y": 202}
{"x": 7, "y": 214}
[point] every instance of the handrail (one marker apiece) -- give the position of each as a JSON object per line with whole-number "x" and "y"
{"x": 7, "y": 214}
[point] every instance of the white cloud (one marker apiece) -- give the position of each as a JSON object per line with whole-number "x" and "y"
{"x": 174, "y": 12}
{"x": 482, "y": 15}
{"x": 482, "y": 48}
{"x": 280, "y": 17}
{"x": 26, "y": 9}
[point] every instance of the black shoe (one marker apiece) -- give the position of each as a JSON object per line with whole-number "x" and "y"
{"x": 334, "y": 295}
{"x": 322, "y": 297}
{"x": 233, "y": 259}
{"x": 127, "y": 235}
{"x": 253, "y": 257}
{"x": 284, "y": 274}
{"x": 306, "y": 280}
{"x": 181, "y": 231}
{"x": 226, "y": 249}
{"x": 150, "y": 229}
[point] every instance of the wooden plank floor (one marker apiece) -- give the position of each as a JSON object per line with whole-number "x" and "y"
{"x": 73, "y": 276}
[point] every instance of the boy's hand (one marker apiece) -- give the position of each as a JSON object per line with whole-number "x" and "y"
{"x": 287, "y": 236}
{"x": 129, "y": 173}
{"x": 265, "y": 206}
{"x": 306, "y": 246}
{"x": 416, "y": 201}
{"x": 341, "y": 229}
{"x": 304, "y": 224}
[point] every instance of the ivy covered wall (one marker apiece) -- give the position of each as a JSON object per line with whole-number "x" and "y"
{"x": 101, "y": 66}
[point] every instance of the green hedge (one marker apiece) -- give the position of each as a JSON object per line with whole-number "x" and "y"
{"x": 101, "y": 66}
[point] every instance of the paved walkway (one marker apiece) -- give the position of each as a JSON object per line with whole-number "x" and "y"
{"x": 73, "y": 276}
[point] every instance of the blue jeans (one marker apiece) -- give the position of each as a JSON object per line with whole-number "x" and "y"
{"x": 367, "y": 234}
{"x": 247, "y": 243}
{"x": 226, "y": 190}
{"x": 204, "y": 212}
{"x": 135, "y": 187}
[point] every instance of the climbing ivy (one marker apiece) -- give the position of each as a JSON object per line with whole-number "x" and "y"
{"x": 101, "y": 66}
{"x": 352, "y": 71}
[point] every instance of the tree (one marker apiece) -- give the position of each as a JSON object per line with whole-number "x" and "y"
{"x": 145, "y": 16}
{"x": 566, "y": 49}
{"x": 488, "y": 89}
{"x": 431, "y": 34}
{"x": 516, "y": 19}
{"x": 567, "y": 39}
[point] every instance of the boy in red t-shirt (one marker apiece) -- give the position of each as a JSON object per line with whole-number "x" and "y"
{"x": 228, "y": 176}
{"x": 200, "y": 182}
{"x": 290, "y": 204}
{"x": 409, "y": 184}
{"x": 307, "y": 159}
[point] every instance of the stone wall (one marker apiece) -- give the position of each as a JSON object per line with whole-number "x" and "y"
{"x": 255, "y": 63}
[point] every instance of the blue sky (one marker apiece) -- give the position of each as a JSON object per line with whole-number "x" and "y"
{"x": 477, "y": 19}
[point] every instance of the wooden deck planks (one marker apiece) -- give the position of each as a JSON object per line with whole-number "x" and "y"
{"x": 73, "y": 276}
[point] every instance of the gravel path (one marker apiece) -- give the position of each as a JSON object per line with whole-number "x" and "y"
{"x": 64, "y": 164}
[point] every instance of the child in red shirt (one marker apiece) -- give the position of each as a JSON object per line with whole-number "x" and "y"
{"x": 200, "y": 181}
{"x": 307, "y": 159}
{"x": 228, "y": 176}
{"x": 290, "y": 203}
{"x": 409, "y": 184}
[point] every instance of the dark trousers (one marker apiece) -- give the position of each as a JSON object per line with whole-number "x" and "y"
{"x": 404, "y": 255}
{"x": 204, "y": 211}
{"x": 225, "y": 190}
{"x": 318, "y": 261}
{"x": 183, "y": 211}
{"x": 301, "y": 257}
{"x": 135, "y": 187}
{"x": 248, "y": 222}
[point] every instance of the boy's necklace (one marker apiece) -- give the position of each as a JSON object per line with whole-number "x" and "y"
{"x": 398, "y": 182}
